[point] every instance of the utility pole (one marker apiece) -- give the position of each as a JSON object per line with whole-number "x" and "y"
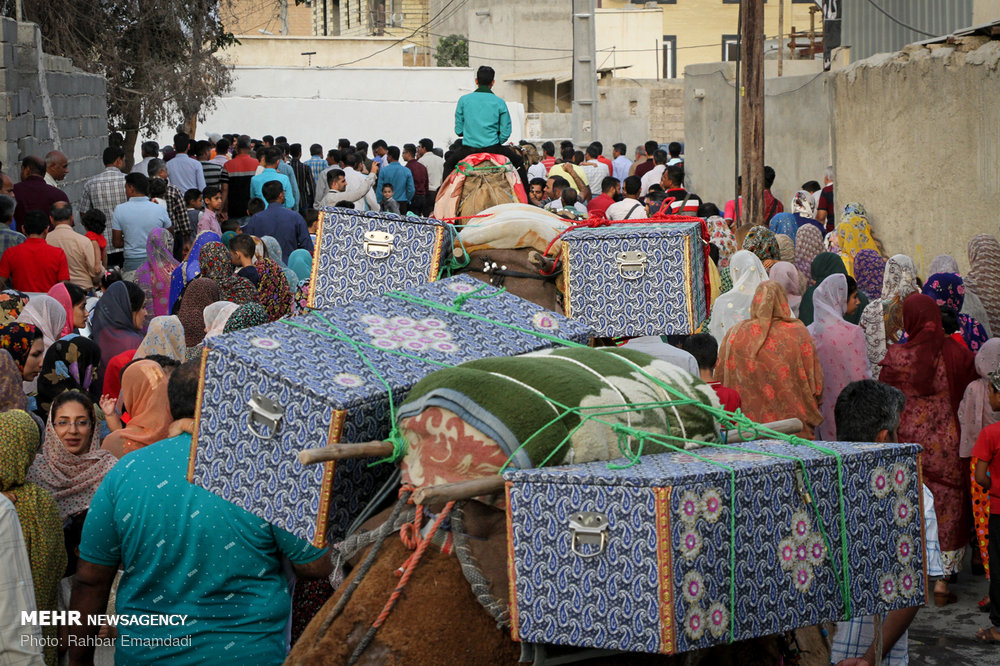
{"x": 752, "y": 111}
{"x": 584, "y": 73}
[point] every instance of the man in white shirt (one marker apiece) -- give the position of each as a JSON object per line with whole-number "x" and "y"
{"x": 19, "y": 644}
{"x": 184, "y": 171}
{"x": 595, "y": 170}
{"x": 434, "y": 166}
{"x": 652, "y": 177}
{"x": 349, "y": 184}
{"x": 621, "y": 164}
{"x": 629, "y": 208}
{"x": 149, "y": 150}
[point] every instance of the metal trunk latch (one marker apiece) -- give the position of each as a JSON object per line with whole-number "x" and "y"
{"x": 378, "y": 244}
{"x": 590, "y": 528}
{"x": 264, "y": 411}
{"x": 632, "y": 264}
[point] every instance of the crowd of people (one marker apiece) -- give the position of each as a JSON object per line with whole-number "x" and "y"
{"x": 100, "y": 333}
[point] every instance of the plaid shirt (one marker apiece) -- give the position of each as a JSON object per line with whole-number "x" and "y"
{"x": 316, "y": 165}
{"x": 9, "y": 238}
{"x": 104, "y": 192}
{"x": 178, "y": 214}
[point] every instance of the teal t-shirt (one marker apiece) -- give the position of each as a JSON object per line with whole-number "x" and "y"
{"x": 482, "y": 119}
{"x": 187, "y": 551}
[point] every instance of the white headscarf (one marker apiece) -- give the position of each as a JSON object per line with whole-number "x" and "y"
{"x": 47, "y": 314}
{"x": 829, "y": 303}
{"x": 733, "y": 306}
{"x": 216, "y": 316}
{"x": 899, "y": 282}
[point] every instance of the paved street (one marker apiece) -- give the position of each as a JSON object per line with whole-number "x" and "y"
{"x": 947, "y": 636}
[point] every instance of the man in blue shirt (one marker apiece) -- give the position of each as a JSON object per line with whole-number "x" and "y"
{"x": 271, "y": 158}
{"x": 287, "y": 227}
{"x": 184, "y": 171}
{"x": 397, "y": 175}
{"x": 133, "y": 220}
{"x": 186, "y": 553}
{"x": 483, "y": 122}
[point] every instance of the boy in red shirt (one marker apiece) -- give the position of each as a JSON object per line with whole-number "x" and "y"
{"x": 34, "y": 265}
{"x": 95, "y": 221}
{"x": 987, "y": 454}
{"x": 705, "y": 350}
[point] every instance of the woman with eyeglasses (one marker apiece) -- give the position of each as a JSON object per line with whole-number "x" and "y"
{"x": 71, "y": 464}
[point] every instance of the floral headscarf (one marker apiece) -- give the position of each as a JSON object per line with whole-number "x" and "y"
{"x": 201, "y": 293}
{"x": 721, "y": 236}
{"x": 246, "y": 316}
{"x": 164, "y": 337}
{"x": 882, "y": 320}
{"x": 11, "y": 384}
{"x": 761, "y": 241}
{"x": 69, "y": 364}
{"x": 154, "y": 275}
{"x": 190, "y": 267}
{"x": 11, "y": 304}
{"x": 273, "y": 293}
{"x": 854, "y": 234}
{"x": 216, "y": 265}
{"x": 869, "y": 269}
{"x": 784, "y": 223}
{"x": 216, "y": 316}
{"x": 948, "y": 289}
{"x": 17, "y": 339}
{"x": 786, "y": 247}
{"x": 804, "y": 204}
{"x": 808, "y": 244}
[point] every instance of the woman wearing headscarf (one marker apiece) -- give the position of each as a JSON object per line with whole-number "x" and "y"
{"x": 201, "y": 293}
{"x": 154, "y": 275}
{"x": 274, "y": 252}
{"x": 933, "y": 371}
{"x": 71, "y": 464}
{"x": 770, "y": 360}
{"x": 786, "y": 247}
{"x": 869, "y": 269}
{"x": 216, "y": 317}
{"x": 61, "y": 294}
{"x": 46, "y": 314}
{"x": 228, "y": 236}
{"x": 974, "y": 414}
{"x": 840, "y": 347}
{"x": 854, "y": 233}
{"x": 273, "y": 293}
{"x": 733, "y": 306}
{"x": 190, "y": 267}
{"x": 788, "y": 276}
{"x": 144, "y": 397}
{"x": 761, "y": 241}
{"x": 117, "y": 321}
{"x": 808, "y": 245}
{"x": 301, "y": 261}
{"x": 784, "y": 223}
{"x": 804, "y": 209}
{"x": 823, "y": 266}
{"x": 246, "y": 316}
{"x": 70, "y": 365}
{"x": 720, "y": 235}
{"x": 12, "y": 302}
{"x": 165, "y": 338}
{"x": 948, "y": 289}
{"x": 38, "y": 514}
{"x": 882, "y": 319}
{"x": 11, "y": 385}
{"x": 25, "y": 345}
{"x": 216, "y": 265}
{"x": 973, "y": 305}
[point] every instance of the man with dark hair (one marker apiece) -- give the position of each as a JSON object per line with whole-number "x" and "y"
{"x": 104, "y": 192}
{"x": 570, "y": 170}
{"x": 598, "y": 206}
{"x": 869, "y": 411}
{"x": 654, "y": 173}
{"x": 222, "y": 151}
{"x": 241, "y": 169}
{"x": 361, "y": 148}
{"x": 683, "y": 202}
{"x": 215, "y": 174}
{"x": 33, "y": 193}
{"x": 420, "y": 180}
{"x": 536, "y": 192}
{"x": 82, "y": 254}
{"x": 56, "y": 167}
{"x": 435, "y": 170}
{"x": 215, "y": 551}
{"x": 272, "y": 156}
{"x": 357, "y": 186}
{"x": 148, "y": 150}
{"x": 395, "y": 174}
{"x": 553, "y": 189}
{"x": 548, "y": 156}
{"x": 287, "y": 226}
{"x": 599, "y": 155}
{"x": 303, "y": 177}
{"x": 133, "y": 220}
{"x": 594, "y": 169}
{"x": 771, "y": 204}
{"x": 34, "y": 265}
{"x": 8, "y": 237}
{"x": 621, "y": 165}
{"x": 185, "y": 171}
{"x": 267, "y": 141}
{"x": 629, "y": 208}
{"x": 379, "y": 150}
{"x": 316, "y": 163}
{"x": 674, "y": 149}
{"x": 705, "y": 350}
{"x": 643, "y": 167}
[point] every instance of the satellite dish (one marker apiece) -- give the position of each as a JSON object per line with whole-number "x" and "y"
{"x": 396, "y": 20}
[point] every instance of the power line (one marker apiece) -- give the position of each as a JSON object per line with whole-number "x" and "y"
{"x": 898, "y": 22}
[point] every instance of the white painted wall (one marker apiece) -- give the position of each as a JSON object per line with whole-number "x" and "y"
{"x": 314, "y": 105}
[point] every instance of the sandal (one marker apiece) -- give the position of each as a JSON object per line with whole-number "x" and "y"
{"x": 945, "y": 598}
{"x": 989, "y": 635}
{"x": 984, "y": 604}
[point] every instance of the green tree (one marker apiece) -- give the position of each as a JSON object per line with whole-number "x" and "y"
{"x": 453, "y": 51}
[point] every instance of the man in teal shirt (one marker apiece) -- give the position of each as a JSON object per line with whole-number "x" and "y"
{"x": 186, "y": 553}
{"x": 483, "y": 122}
{"x": 272, "y": 156}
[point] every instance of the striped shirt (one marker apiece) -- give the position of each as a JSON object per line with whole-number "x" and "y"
{"x": 215, "y": 174}
{"x": 105, "y": 192}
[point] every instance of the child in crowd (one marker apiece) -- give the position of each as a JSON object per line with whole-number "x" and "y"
{"x": 241, "y": 250}
{"x": 852, "y": 296}
{"x": 705, "y": 350}
{"x": 987, "y": 455}
{"x": 209, "y": 220}
{"x": 193, "y": 203}
{"x": 158, "y": 191}
{"x": 95, "y": 221}
{"x": 389, "y": 205}
{"x": 312, "y": 223}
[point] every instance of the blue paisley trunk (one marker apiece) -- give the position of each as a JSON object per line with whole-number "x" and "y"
{"x": 664, "y": 581}
{"x": 313, "y": 369}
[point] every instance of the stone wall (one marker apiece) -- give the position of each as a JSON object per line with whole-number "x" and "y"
{"x": 49, "y": 105}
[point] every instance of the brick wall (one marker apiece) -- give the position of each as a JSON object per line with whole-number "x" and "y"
{"x": 63, "y": 109}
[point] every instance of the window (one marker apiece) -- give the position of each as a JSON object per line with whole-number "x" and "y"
{"x": 659, "y": 2}
{"x": 730, "y": 48}
{"x": 669, "y": 56}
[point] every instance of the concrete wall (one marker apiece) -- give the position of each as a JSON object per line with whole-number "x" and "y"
{"x": 916, "y": 142}
{"x": 265, "y": 51}
{"x": 621, "y": 35}
{"x": 797, "y": 121}
{"x": 317, "y": 105}
{"x": 242, "y": 17}
{"x": 49, "y": 105}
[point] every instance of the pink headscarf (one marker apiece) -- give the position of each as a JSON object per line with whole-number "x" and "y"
{"x": 975, "y": 412}
{"x": 61, "y": 294}
{"x": 788, "y": 276}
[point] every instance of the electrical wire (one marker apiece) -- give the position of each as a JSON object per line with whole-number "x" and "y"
{"x": 898, "y": 22}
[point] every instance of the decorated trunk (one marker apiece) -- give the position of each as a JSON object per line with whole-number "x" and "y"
{"x": 689, "y": 550}
{"x": 360, "y": 254}
{"x": 636, "y": 279}
{"x": 270, "y": 391}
